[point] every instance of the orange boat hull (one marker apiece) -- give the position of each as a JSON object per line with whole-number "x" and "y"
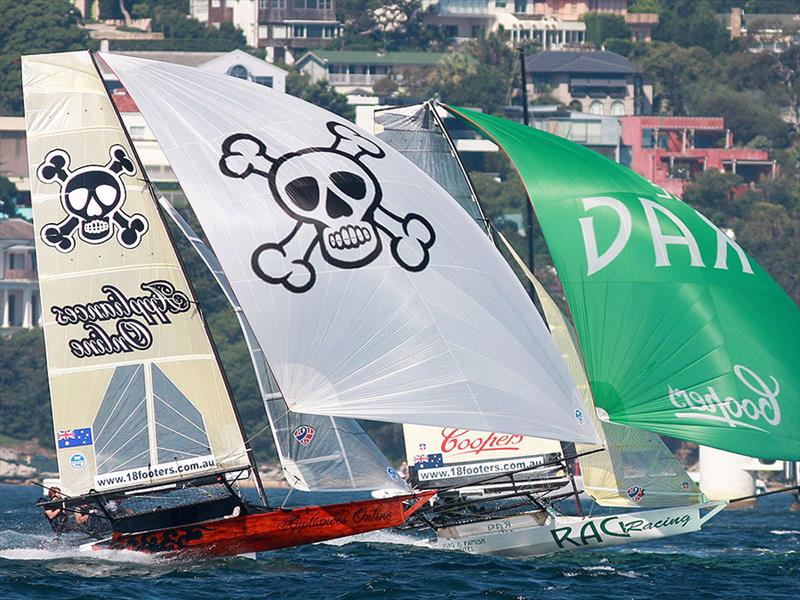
{"x": 272, "y": 530}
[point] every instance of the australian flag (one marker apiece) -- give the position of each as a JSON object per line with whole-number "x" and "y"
{"x": 430, "y": 461}
{"x": 71, "y": 438}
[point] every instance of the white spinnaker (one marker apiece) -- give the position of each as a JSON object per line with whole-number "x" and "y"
{"x": 452, "y": 340}
{"x": 637, "y": 469}
{"x": 136, "y": 391}
{"x": 317, "y": 453}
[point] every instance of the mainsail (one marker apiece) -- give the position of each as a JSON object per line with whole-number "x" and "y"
{"x": 137, "y": 394}
{"x": 372, "y": 293}
{"x": 637, "y": 469}
{"x": 682, "y": 333}
{"x": 317, "y": 453}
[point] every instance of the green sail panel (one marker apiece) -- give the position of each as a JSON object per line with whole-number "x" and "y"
{"x": 682, "y": 332}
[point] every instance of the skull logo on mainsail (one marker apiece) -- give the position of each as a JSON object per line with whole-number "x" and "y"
{"x": 335, "y": 200}
{"x": 92, "y": 196}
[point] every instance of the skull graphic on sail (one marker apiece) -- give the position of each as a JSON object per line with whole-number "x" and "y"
{"x": 336, "y": 202}
{"x": 92, "y": 196}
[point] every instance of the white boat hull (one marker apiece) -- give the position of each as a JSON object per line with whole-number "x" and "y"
{"x": 523, "y": 535}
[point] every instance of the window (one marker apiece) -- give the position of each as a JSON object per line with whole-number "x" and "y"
{"x": 13, "y": 261}
{"x": 618, "y": 109}
{"x": 500, "y": 3}
{"x": 33, "y": 262}
{"x": 263, "y": 4}
{"x": 596, "y": 108}
{"x": 450, "y": 31}
{"x": 314, "y": 31}
{"x": 239, "y": 71}
{"x": 477, "y": 31}
{"x": 647, "y": 138}
{"x": 520, "y": 6}
{"x": 298, "y": 31}
{"x": 576, "y": 106}
{"x": 267, "y": 81}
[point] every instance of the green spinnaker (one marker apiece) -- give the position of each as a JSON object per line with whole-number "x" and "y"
{"x": 682, "y": 333}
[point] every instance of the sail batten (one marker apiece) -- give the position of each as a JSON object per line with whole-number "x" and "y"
{"x": 682, "y": 333}
{"x": 341, "y": 254}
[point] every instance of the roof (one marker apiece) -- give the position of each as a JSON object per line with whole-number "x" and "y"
{"x": 368, "y": 57}
{"x": 558, "y": 61}
{"x": 189, "y": 59}
{"x": 15, "y": 229}
{"x": 123, "y": 101}
{"x": 257, "y": 65}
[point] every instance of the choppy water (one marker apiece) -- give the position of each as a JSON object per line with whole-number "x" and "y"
{"x": 744, "y": 554}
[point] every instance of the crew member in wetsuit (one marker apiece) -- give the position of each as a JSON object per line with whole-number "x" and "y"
{"x": 56, "y": 516}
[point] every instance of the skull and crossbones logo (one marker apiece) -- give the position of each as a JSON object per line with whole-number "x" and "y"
{"x": 92, "y": 197}
{"x": 335, "y": 200}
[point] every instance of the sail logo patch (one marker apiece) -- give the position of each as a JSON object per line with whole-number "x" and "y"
{"x": 93, "y": 197}
{"x": 635, "y": 493}
{"x": 710, "y": 405}
{"x": 71, "y": 438}
{"x": 304, "y": 434}
{"x": 335, "y": 200}
{"x": 77, "y": 461}
{"x": 133, "y": 318}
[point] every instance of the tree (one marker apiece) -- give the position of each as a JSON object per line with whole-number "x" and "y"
{"x": 374, "y": 24}
{"x": 33, "y": 27}
{"x": 8, "y": 197}
{"x": 320, "y": 93}
{"x": 602, "y": 26}
{"x": 691, "y": 23}
{"x": 746, "y": 114}
{"x": 711, "y": 193}
{"x": 673, "y": 71}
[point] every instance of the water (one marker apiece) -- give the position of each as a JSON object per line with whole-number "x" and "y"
{"x": 748, "y": 554}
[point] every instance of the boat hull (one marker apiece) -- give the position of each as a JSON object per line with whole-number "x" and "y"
{"x": 523, "y": 535}
{"x": 280, "y": 528}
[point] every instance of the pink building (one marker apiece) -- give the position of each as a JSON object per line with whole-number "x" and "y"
{"x": 671, "y": 151}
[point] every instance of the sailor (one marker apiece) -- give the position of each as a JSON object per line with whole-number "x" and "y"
{"x": 56, "y": 516}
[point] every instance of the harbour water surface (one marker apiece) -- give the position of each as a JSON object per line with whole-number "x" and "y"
{"x": 742, "y": 554}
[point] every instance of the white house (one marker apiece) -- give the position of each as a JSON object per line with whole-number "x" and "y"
{"x": 19, "y": 287}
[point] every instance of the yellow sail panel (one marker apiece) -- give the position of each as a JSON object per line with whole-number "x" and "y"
{"x": 636, "y": 469}
{"x": 136, "y": 391}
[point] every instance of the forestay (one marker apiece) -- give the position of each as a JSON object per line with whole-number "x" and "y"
{"x": 137, "y": 394}
{"x": 317, "y": 453}
{"x": 636, "y": 469}
{"x": 372, "y": 293}
{"x": 682, "y": 333}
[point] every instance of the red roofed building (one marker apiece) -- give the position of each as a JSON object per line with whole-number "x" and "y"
{"x": 671, "y": 151}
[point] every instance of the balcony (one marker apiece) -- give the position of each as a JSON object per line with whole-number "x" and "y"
{"x": 354, "y": 78}
{"x": 20, "y": 275}
{"x": 278, "y": 15}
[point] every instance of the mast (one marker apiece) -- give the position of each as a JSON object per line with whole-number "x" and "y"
{"x": 529, "y": 204}
{"x": 192, "y": 292}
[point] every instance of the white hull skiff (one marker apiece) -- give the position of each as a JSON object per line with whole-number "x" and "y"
{"x": 538, "y": 534}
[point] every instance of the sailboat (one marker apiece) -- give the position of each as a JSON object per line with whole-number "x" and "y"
{"x": 636, "y": 470}
{"x": 362, "y": 289}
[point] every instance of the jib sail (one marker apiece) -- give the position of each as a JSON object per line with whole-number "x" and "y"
{"x": 317, "y": 453}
